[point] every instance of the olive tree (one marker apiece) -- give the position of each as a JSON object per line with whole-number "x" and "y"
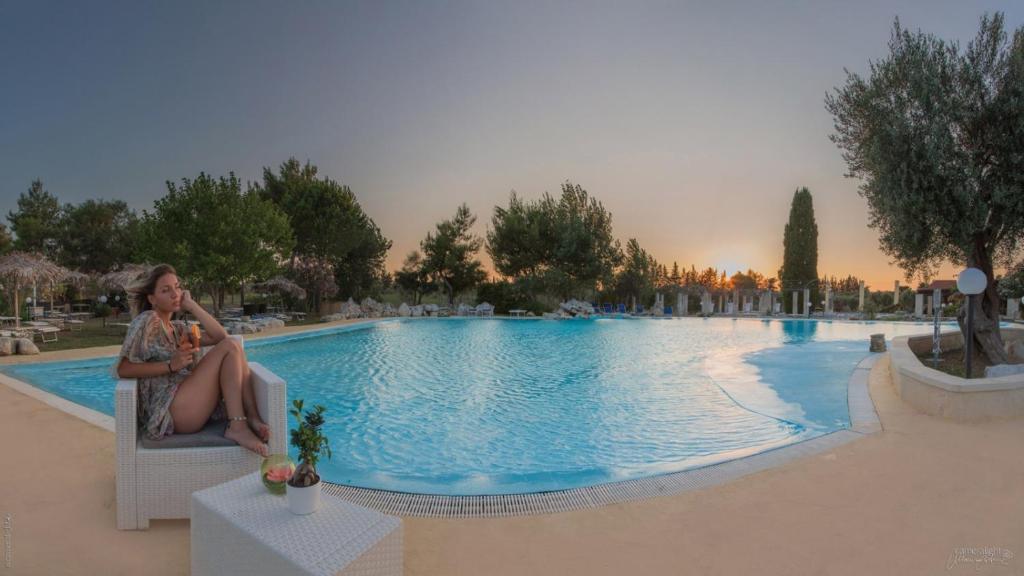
{"x": 935, "y": 133}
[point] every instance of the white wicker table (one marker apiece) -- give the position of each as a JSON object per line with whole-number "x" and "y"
{"x": 240, "y": 528}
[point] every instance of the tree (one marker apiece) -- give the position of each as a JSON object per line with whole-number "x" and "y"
{"x": 413, "y": 278}
{"x": 675, "y": 278}
{"x": 449, "y": 251}
{"x": 329, "y": 226}
{"x": 36, "y": 223}
{"x": 936, "y": 136}
{"x": 97, "y": 235}
{"x": 638, "y": 275}
{"x": 215, "y": 235}
{"x": 800, "y": 246}
{"x": 585, "y": 252}
{"x": 1012, "y": 284}
{"x": 564, "y": 246}
{"x": 6, "y": 243}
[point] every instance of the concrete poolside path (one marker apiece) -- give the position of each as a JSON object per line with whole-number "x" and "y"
{"x": 897, "y": 502}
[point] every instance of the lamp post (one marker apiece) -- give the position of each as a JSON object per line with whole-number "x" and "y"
{"x": 103, "y": 300}
{"x": 970, "y": 282}
{"x": 936, "y": 329}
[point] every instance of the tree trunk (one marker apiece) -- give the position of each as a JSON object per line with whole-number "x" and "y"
{"x": 986, "y": 310}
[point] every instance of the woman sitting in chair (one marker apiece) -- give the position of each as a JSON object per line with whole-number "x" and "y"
{"x": 176, "y": 396}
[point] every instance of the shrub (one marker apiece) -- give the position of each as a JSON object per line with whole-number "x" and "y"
{"x": 310, "y": 441}
{"x": 870, "y": 308}
{"x": 507, "y": 296}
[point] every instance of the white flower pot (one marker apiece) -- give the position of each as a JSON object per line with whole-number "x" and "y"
{"x": 303, "y": 500}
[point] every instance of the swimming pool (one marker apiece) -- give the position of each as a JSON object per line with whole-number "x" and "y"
{"x": 499, "y": 406}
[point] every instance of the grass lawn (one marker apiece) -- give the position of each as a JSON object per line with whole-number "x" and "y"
{"x": 95, "y": 333}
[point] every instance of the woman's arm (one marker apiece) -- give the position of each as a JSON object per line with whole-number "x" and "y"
{"x": 213, "y": 329}
{"x": 129, "y": 369}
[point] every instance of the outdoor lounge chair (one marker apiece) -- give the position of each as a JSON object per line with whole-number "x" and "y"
{"x": 155, "y": 479}
{"x": 607, "y": 308}
{"x": 622, "y": 308}
{"x": 45, "y": 333}
{"x": 484, "y": 309}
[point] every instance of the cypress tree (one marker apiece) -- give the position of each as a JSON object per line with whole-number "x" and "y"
{"x": 800, "y": 248}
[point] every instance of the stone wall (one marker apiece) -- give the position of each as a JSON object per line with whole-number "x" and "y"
{"x": 940, "y": 394}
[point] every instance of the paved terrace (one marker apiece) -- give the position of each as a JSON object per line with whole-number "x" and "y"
{"x": 897, "y": 502}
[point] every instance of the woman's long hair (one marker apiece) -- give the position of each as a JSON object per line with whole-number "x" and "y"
{"x": 138, "y": 294}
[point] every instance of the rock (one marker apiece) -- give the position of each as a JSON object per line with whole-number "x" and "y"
{"x": 1004, "y": 370}
{"x": 7, "y": 346}
{"x": 404, "y": 311}
{"x": 1015, "y": 352}
{"x": 575, "y": 307}
{"x": 878, "y": 342}
{"x": 416, "y": 311}
{"x": 350, "y": 310}
{"x": 430, "y": 309}
{"x": 271, "y": 323}
{"x": 243, "y": 328}
{"x": 388, "y": 311}
{"x": 26, "y": 346}
{"x": 371, "y": 308}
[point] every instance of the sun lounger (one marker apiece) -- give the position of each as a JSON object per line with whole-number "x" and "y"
{"x": 43, "y": 331}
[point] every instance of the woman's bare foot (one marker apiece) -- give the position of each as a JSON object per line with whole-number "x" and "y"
{"x": 240, "y": 433}
{"x": 259, "y": 428}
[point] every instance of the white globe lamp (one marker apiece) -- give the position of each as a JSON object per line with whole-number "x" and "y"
{"x": 970, "y": 282}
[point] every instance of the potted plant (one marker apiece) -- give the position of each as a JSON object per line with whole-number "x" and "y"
{"x": 303, "y": 487}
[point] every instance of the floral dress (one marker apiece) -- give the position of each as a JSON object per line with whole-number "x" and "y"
{"x": 148, "y": 341}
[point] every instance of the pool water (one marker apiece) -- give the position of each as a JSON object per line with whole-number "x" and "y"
{"x": 498, "y": 406}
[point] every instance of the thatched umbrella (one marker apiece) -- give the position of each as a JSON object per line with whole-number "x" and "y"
{"x": 23, "y": 268}
{"x": 281, "y": 285}
{"x": 121, "y": 280}
{"x": 76, "y": 278}
{"x": 73, "y": 277}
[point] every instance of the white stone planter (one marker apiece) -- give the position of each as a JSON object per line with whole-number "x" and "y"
{"x": 304, "y": 500}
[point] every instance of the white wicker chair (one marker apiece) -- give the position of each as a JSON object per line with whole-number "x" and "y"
{"x": 158, "y": 483}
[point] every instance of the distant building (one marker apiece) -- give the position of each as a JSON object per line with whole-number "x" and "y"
{"x": 948, "y": 287}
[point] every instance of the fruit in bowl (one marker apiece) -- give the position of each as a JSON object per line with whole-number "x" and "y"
{"x": 275, "y": 472}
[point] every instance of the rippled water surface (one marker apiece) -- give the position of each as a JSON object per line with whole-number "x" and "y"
{"x": 494, "y": 406}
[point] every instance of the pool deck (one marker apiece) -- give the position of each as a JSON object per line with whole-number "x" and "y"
{"x": 898, "y": 501}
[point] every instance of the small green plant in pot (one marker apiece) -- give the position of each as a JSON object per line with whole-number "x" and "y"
{"x": 304, "y": 486}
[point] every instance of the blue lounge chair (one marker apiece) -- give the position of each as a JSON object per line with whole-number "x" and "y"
{"x": 668, "y": 310}
{"x": 607, "y": 308}
{"x": 622, "y": 308}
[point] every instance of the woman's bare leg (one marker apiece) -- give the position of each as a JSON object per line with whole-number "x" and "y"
{"x": 258, "y": 426}
{"x": 218, "y": 374}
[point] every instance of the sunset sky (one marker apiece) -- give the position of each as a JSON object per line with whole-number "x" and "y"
{"x": 693, "y": 124}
